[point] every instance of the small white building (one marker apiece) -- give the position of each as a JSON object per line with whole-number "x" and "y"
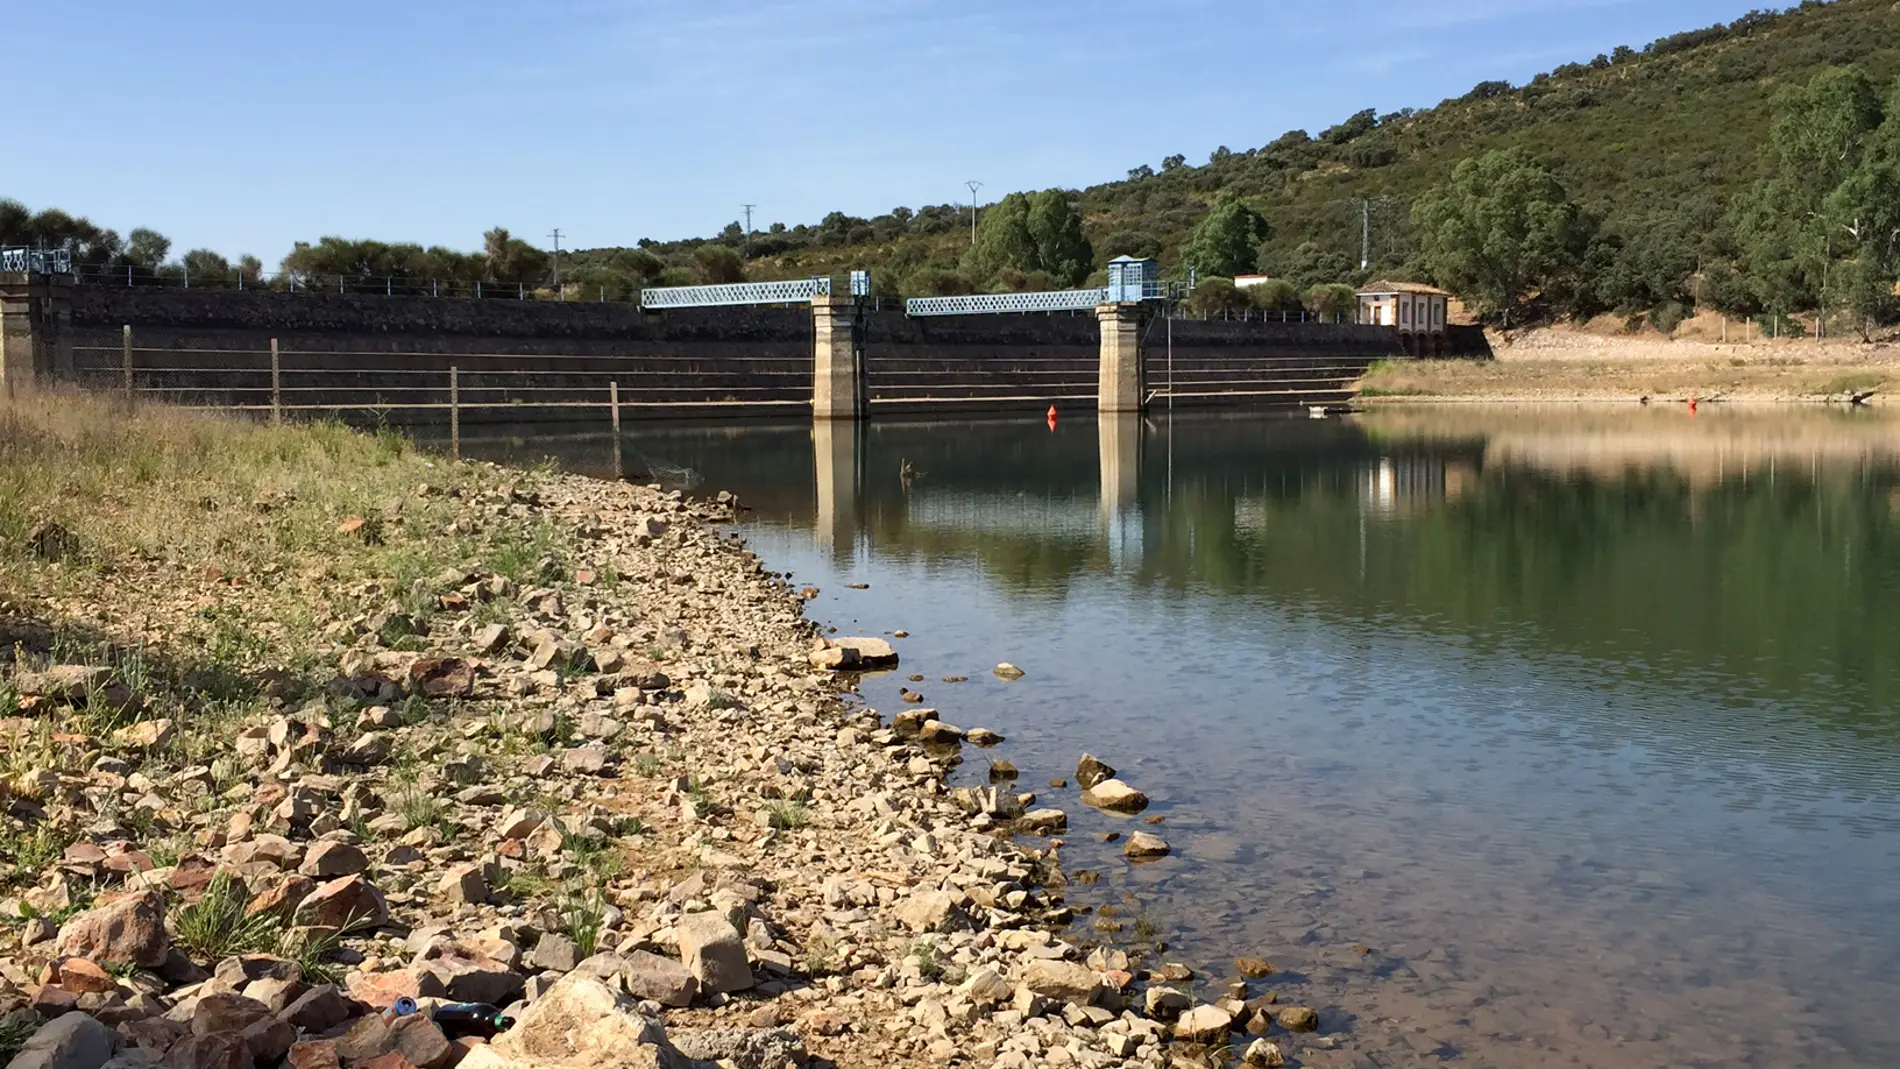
{"x": 1418, "y": 311}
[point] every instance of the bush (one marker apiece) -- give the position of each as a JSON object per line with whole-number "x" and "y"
{"x": 1275, "y": 295}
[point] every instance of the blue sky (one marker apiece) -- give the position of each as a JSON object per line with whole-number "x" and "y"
{"x": 247, "y": 126}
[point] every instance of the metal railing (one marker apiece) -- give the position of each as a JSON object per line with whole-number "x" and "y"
{"x": 21, "y": 260}
{"x": 735, "y": 293}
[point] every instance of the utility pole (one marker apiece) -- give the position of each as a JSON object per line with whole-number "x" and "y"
{"x": 1365, "y": 233}
{"x": 974, "y": 186}
{"x": 748, "y": 229}
{"x": 557, "y": 263}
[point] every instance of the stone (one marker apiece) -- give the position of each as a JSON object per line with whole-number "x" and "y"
{"x": 1298, "y": 1018}
{"x": 554, "y": 953}
{"x": 313, "y": 1054}
{"x": 269, "y": 1039}
{"x": 225, "y": 1013}
{"x": 442, "y": 677}
{"x": 1204, "y": 1024}
{"x": 370, "y": 748}
{"x": 870, "y": 652}
{"x": 1007, "y": 672}
{"x": 52, "y": 1000}
{"x": 68, "y": 684}
{"x": 328, "y": 859}
{"x": 218, "y": 1050}
{"x": 1263, "y": 1053}
{"x": 1143, "y": 846}
{"x": 1115, "y": 796}
{"x": 465, "y": 885}
{"x": 933, "y": 911}
{"x": 584, "y": 1024}
{"x": 658, "y": 979}
{"x": 317, "y": 1010}
{"x": 1063, "y": 981}
{"x": 1166, "y": 1003}
{"x": 246, "y": 968}
{"x": 151, "y": 1035}
{"x": 274, "y": 993}
{"x": 742, "y": 1048}
{"x": 1091, "y": 770}
{"x": 586, "y": 760}
{"x": 144, "y": 735}
{"x": 421, "y": 1042}
{"x": 344, "y": 904}
{"x": 1254, "y": 968}
{"x": 368, "y": 1037}
{"x": 982, "y": 737}
{"x": 714, "y": 951}
{"x": 986, "y": 987}
{"x": 1045, "y": 820}
{"x": 72, "y": 1041}
{"x": 81, "y": 976}
{"x": 130, "y": 931}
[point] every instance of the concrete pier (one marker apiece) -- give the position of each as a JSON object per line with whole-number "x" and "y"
{"x": 1120, "y": 386}
{"x": 837, "y": 360}
{"x": 35, "y": 342}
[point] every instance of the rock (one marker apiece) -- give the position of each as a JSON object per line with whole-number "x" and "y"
{"x": 52, "y": 1000}
{"x": 933, "y": 911}
{"x": 329, "y": 859}
{"x": 226, "y": 1013}
{"x": 144, "y": 735}
{"x": 1143, "y": 846}
{"x": 870, "y": 652}
{"x": 421, "y": 1042}
{"x": 491, "y": 639}
{"x": 713, "y": 950}
{"x": 370, "y": 748}
{"x": 554, "y": 952}
{"x": 1007, "y": 671}
{"x": 1003, "y": 772}
{"x": 1263, "y": 1053}
{"x": 368, "y": 1037}
{"x": 268, "y": 1039}
{"x": 466, "y": 974}
{"x": 1091, "y": 770}
{"x": 1045, "y": 820}
{"x": 276, "y": 994}
{"x": 317, "y": 1010}
{"x": 345, "y": 904}
{"x": 81, "y": 977}
{"x": 313, "y": 1054}
{"x": 582, "y": 1023}
{"x": 73, "y": 1041}
{"x": 465, "y": 885}
{"x": 442, "y": 677}
{"x": 1254, "y": 968}
{"x": 936, "y": 732}
{"x": 130, "y": 931}
{"x": 246, "y": 968}
{"x": 1204, "y": 1024}
{"x": 986, "y": 987}
{"x": 982, "y": 737}
{"x": 1115, "y": 796}
{"x": 67, "y": 684}
{"x": 586, "y": 760}
{"x": 1298, "y": 1018}
{"x": 742, "y": 1048}
{"x": 219, "y": 1050}
{"x": 1064, "y": 981}
{"x": 646, "y": 976}
{"x": 1166, "y": 1003}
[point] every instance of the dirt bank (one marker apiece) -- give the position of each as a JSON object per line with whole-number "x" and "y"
{"x": 1551, "y": 364}
{"x": 300, "y": 722}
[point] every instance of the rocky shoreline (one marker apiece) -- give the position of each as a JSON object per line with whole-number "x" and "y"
{"x": 620, "y": 798}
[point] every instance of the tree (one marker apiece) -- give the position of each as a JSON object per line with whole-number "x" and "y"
{"x": 1309, "y": 265}
{"x": 716, "y": 264}
{"x": 207, "y": 265}
{"x": 1227, "y": 242}
{"x": 146, "y": 249}
{"x": 1030, "y": 234}
{"x": 1136, "y": 174}
{"x": 1215, "y": 296}
{"x": 1356, "y": 127}
{"x": 251, "y": 270}
{"x": 1332, "y": 302}
{"x": 1275, "y": 295}
{"x": 1796, "y": 225}
{"x": 1500, "y": 230}
{"x": 509, "y": 259}
{"x": 1173, "y": 163}
{"x": 1866, "y": 207}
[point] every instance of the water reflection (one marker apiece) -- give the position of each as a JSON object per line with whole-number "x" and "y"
{"x": 1585, "y": 721}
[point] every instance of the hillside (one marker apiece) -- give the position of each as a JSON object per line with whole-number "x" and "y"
{"x": 1653, "y": 142}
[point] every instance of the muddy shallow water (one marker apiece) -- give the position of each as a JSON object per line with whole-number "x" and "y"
{"x": 1534, "y": 736}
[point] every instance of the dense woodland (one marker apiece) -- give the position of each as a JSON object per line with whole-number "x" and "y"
{"x": 1752, "y": 168}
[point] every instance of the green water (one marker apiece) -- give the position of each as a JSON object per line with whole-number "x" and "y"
{"x": 1586, "y": 722}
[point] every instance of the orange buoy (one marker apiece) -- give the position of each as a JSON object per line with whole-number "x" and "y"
{"x": 1052, "y": 413}
{"x": 1692, "y": 404}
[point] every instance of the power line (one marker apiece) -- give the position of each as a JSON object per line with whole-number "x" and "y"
{"x": 974, "y": 186}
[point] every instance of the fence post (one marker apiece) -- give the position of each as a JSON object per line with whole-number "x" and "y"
{"x": 276, "y": 385}
{"x": 613, "y": 400}
{"x": 521, "y": 291}
{"x": 455, "y": 413}
{"x": 126, "y": 338}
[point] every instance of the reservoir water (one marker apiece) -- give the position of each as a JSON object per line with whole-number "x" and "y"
{"x": 1511, "y": 736}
